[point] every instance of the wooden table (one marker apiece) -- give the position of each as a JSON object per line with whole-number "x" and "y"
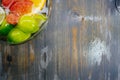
{"x": 81, "y": 42}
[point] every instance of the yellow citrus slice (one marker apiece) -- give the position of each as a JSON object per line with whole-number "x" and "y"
{"x": 39, "y": 3}
{"x": 2, "y": 15}
{"x": 40, "y": 18}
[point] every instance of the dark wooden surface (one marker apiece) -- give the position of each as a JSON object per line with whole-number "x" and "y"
{"x": 81, "y": 42}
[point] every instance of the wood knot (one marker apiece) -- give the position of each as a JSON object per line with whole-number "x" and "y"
{"x": 9, "y": 58}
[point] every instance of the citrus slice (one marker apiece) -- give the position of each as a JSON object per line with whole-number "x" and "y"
{"x": 39, "y": 3}
{"x": 6, "y": 3}
{"x": 17, "y": 36}
{"x": 40, "y": 18}
{"x": 21, "y": 7}
{"x": 5, "y": 28}
{"x": 2, "y": 15}
{"x": 12, "y": 18}
{"x": 27, "y": 24}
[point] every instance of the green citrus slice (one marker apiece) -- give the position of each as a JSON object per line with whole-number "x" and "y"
{"x": 27, "y": 24}
{"x": 5, "y": 28}
{"x": 40, "y": 18}
{"x": 16, "y": 36}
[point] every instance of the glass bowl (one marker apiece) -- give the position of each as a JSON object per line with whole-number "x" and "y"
{"x": 46, "y": 10}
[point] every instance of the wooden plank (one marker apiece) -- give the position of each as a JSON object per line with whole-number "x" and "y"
{"x": 85, "y": 40}
{"x": 81, "y": 42}
{"x": 25, "y": 64}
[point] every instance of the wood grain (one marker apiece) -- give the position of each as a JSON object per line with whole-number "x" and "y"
{"x": 81, "y": 42}
{"x": 82, "y": 39}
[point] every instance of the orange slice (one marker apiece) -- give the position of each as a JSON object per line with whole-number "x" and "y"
{"x": 39, "y": 3}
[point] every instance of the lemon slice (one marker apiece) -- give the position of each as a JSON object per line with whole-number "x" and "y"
{"x": 2, "y": 15}
{"x": 39, "y": 3}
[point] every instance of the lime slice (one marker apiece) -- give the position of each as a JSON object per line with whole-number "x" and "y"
{"x": 16, "y": 36}
{"x": 39, "y": 3}
{"x": 40, "y": 18}
{"x": 2, "y": 15}
{"x": 5, "y": 28}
